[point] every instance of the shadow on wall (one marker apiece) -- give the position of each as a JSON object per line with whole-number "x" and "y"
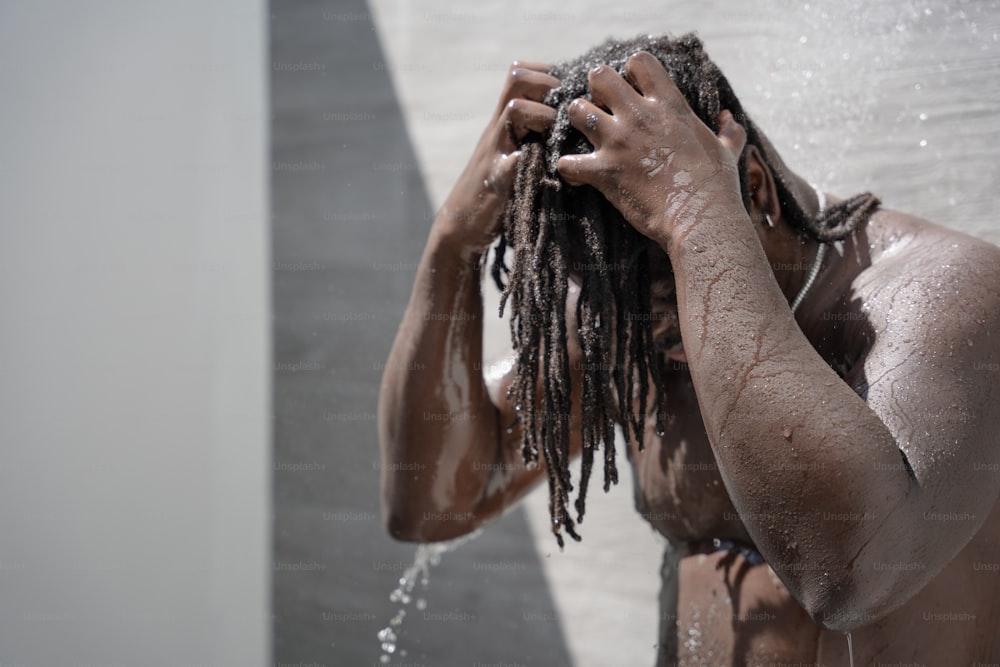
{"x": 350, "y": 217}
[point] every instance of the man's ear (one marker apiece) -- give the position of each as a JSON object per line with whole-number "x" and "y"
{"x": 760, "y": 180}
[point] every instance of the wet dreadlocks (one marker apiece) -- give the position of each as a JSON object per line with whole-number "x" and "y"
{"x": 550, "y": 224}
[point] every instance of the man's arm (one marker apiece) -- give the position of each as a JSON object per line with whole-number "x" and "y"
{"x": 451, "y": 442}
{"x": 449, "y": 462}
{"x": 767, "y": 396}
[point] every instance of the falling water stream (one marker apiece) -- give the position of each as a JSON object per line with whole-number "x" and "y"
{"x": 426, "y": 557}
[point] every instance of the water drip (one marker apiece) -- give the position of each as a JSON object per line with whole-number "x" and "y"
{"x": 426, "y": 557}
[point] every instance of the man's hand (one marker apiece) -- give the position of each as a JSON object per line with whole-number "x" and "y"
{"x": 471, "y": 213}
{"x": 654, "y": 159}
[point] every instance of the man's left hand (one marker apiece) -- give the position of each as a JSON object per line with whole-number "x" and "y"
{"x": 654, "y": 159}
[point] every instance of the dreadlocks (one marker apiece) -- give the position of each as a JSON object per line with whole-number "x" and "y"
{"x": 549, "y": 224}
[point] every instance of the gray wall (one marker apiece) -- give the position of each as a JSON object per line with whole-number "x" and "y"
{"x": 134, "y": 350}
{"x": 350, "y": 219}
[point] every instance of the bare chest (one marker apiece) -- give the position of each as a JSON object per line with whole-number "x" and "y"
{"x": 678, "y": 486}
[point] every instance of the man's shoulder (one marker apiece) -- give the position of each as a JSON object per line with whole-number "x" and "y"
{"x": 918, "y": 263}
{"x": 902, "y": 238}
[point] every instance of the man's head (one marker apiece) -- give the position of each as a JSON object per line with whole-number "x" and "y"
{"x": 623, "y": 310}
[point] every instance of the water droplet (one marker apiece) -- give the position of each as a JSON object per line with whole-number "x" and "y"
{"x": 923, "y": 142}
{"x": 427, "y": 556}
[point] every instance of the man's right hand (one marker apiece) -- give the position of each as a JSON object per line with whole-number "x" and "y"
{"x": 471, "y": 214}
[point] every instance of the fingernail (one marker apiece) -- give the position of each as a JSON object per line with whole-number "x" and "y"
{"x": 596, "y": 68}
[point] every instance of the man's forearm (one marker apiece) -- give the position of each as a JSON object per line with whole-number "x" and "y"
{"x": 768, "y": 399}
{"x": 434, "y": 410}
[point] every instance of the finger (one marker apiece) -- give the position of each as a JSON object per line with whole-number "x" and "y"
{"x": 646, "y": 73}
{"x": 579, "y": 169}
{"x": 527, "y": 83}
{"x": 587, "y": 118}
{"x": 731, "y": 134}
{"x": 526, "y": 116}
{"x": 609, "y": 90}
{"x": 536, "y": 66}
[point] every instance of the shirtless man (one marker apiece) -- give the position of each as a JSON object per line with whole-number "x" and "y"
{"x": 800, "y": 502}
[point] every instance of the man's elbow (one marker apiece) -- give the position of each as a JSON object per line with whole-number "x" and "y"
{"x": 854, "y": 602}
{"x": 842, "y": 617}
{"x": 426, "y": 526}
{"x": 401, "y": 527}
{"x": 402, "y": 519}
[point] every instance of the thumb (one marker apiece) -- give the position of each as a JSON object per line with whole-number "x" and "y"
{"x": 501, "y": 179}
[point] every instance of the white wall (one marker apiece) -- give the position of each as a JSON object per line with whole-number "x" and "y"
{"x": 134, "y": 333}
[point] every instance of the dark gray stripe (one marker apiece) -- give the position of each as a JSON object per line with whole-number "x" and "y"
{"x": 350, "y": 218}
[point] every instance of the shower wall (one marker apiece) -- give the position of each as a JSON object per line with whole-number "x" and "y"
{"x": 134, "y": 364}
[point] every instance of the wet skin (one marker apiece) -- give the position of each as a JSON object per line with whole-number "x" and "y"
{"x": 852, "y": 442}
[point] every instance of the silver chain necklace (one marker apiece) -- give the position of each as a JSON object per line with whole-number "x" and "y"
{"x": 817, "y": 263}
